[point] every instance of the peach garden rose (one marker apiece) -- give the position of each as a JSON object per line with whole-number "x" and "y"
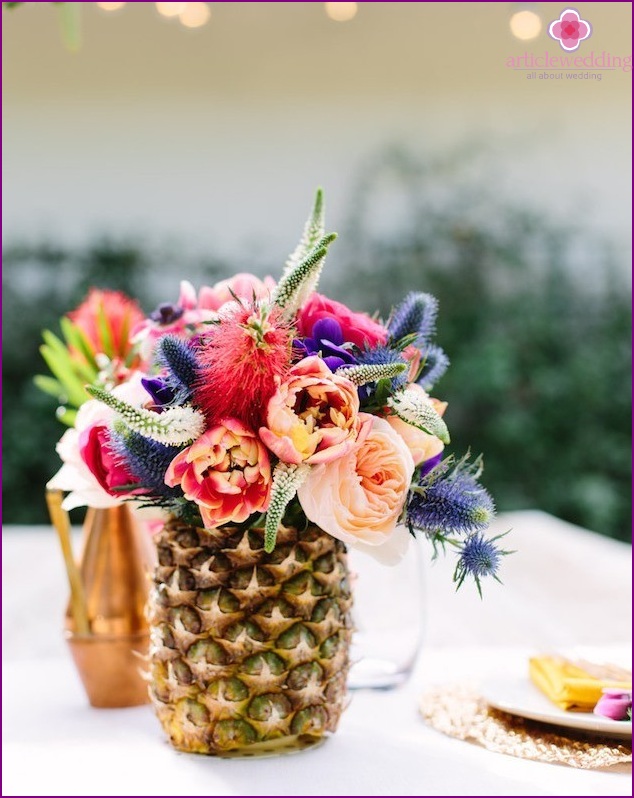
{"x": 358, "y": 498}
{"x": 226, "y": 472}
{"x": 313, "y": 417}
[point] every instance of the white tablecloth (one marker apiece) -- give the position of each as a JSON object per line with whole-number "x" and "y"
{"x": 565, "y": 587}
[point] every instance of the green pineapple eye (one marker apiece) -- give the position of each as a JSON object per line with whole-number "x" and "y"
{"x": 296, "y": 635}
{"x": 263, "y": 707}
{"x": 258, "y": 663}
{"x": 234, "y": 733}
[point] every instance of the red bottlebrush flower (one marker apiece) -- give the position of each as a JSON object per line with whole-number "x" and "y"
{"x": 106, "y": 319}
{"x": 241, "y": 357}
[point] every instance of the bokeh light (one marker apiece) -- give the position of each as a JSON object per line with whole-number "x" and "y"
{"x": 525, "y": 25}
{"x": 195, "y": 15}
{"x": 341, "y": 12}
{"x": 110, "y": 6}
{"x": 170, "y": 9}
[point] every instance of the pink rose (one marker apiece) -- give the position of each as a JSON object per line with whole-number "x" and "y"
{"x": 75, "y": 476}
{"x": 96, "y": 452}
{"x": 227, "y": 473}
{"x": 358, "y": 498}
{"x": 357, "y": 328}
{"x": 313, "y": 417}
{"x": 421, "y": 445}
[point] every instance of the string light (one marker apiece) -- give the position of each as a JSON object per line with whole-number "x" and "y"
{"x": 110, "y": 6}
{"x": 525, "y": 25}
{"x": 195, "y": 15}
{"x": 171, "y": 9}
{"x": 341, "y": 12}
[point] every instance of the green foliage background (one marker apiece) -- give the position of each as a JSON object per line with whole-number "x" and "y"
{"x": 534, "y": 314}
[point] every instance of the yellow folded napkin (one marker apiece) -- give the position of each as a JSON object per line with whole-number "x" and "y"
{"x": 575, "y": 686}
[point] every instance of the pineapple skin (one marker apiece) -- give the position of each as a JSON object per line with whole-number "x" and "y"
{"x": 249, "y": 651}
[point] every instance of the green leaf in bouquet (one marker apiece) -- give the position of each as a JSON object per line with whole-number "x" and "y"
{"x": 66, "y": 415}
{"x": 104, "y": 332}
{"x": 125, "y": 330}
{"x": 60, "y": 350}
{"x": 70, "y": 25}
{"x": 49, "y": 385}
{"x": 76, "y": 337}
{"x": 62, "y": 368}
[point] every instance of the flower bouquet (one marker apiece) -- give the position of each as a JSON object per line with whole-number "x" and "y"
{"x": 274, "y": 427}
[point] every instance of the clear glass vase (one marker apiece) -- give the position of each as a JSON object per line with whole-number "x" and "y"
{"x": 388, "y": 615}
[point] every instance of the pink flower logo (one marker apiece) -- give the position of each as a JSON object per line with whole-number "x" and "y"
{"x": 569, "y": 30}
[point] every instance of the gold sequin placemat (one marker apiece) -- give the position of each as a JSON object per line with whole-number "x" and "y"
{"x": 460, "y": 712}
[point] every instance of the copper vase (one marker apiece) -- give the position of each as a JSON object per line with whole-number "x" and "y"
{"x": 106, "y": 627}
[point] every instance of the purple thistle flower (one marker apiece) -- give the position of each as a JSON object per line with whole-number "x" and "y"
{"x": 434, "y": 364}
{"x": 415, "y": 315}
{"x": 177, "y": 359}
{"x": 450, "y": 501}
{"x": 147, "y": 461}
{"x": 479, "y": 557}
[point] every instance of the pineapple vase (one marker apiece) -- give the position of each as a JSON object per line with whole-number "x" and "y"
{"x": 249, "y": 651}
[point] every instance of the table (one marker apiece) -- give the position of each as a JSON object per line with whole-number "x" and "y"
{"x": 566, "y": 586}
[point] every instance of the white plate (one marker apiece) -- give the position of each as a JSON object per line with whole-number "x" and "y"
{"x": 519, "y": 696}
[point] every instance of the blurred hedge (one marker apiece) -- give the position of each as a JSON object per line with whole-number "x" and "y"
{"x": 535, "y": 317}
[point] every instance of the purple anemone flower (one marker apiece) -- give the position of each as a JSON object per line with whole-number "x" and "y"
{"x": 326, "y": 339}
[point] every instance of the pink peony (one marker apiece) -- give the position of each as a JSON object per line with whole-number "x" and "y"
{"x": 192, "y": 313}
{"x": 227, "y": 473}
{"x": 421, "y": 445}
{"x": 357, "y": 328}
{"x": 358, "y": 498}
{"x": 313, "y": 417}
{"x": 243, "y": 285}
{"x": 95, "y": 451}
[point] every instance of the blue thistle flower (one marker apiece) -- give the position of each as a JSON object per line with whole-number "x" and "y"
{"x": 435, "y": 363}
{"x": 381, "y": 356}
{"x": 415, "y": 315}
{"x": 479, "y": 557}
{"x": 451, "y": 501}
{"x": 178, "y": 360}
{"x": 147, "y": 460}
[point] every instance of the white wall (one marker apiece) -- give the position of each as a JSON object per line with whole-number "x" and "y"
{"x": 217, "y": 137}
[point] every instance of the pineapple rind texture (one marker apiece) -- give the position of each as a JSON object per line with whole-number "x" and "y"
{"x": 249, "y": 650}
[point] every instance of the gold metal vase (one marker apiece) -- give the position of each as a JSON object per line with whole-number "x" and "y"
{"x": 106, "y": 627}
